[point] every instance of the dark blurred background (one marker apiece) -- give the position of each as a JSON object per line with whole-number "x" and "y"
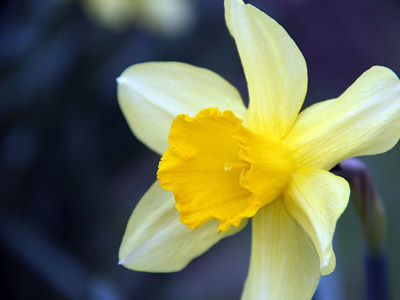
{"x": 71, "y": 171}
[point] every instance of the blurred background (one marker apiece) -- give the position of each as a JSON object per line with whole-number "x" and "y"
{"x": 71, "y": 171}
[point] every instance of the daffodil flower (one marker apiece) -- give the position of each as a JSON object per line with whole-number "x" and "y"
{"x": 222, "y": 163}
{"x": 170, "y": 17}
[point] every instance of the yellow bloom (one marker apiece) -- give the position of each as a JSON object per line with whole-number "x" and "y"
{"x": 224, "y": 163}
{"x": 171, "y": 17}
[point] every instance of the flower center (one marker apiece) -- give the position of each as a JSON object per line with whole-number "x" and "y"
{"x": 218, "y": 169}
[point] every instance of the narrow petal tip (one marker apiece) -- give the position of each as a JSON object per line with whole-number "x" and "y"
{"x": 121, "y": 80}
{"x": 325, "y": 264}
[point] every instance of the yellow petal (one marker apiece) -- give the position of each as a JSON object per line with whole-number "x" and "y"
{"x": 151, "y": 95}
{"x": 172, "y": 17}
{"x": 364, "y": 120}
{"x": 203, "y": 169}
{"x": 155, "y": 240}
{"x": 316, "y": 199}
{"x": 284, "y": 263}
{"x": 275, "y": 69}
{"x": 331, "y": 265}
{"x": 115, "y": 14}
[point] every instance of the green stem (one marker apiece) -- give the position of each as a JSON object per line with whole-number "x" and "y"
{"x": 366, "y": 201}
{"x": 369, "y": 206}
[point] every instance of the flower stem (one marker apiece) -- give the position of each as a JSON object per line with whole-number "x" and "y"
{"x": 377, "y": 277}
{"x": 369, "y": 206}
